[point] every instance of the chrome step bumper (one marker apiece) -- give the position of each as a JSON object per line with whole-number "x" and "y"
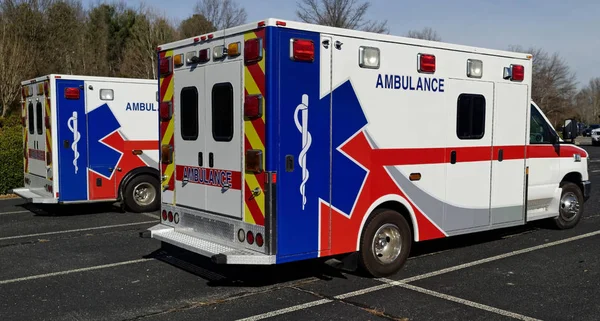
{"x": 219, "y": 253}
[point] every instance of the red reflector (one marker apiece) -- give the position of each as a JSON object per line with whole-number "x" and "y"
{"x": 259, "y": 240}
{"x": 170, "y": 216}
{"x": 165, "y": 66}
{"x": 426, "y": 63}
{"x": 164, "y": 215}
{"x": 303, "y": 50}
{"x": 253, "y": 50}
{"x": 166, "y": 111}
{"x": 274, "y": 178}
{"x": 250, "y": 237}
{"x": 254, "y": 161}
{"x": 281, "y": 23}
{"x": 518, "y": 72}
{"x": 253, "y": 106}
{"x": 72, "y": 93}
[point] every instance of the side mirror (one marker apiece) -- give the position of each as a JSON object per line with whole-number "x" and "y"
{"x": 570, "y": 129}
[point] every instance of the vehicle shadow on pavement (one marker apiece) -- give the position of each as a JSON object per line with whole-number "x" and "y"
{"x": 260, "y": 276}
{"x": 70, "y": 209}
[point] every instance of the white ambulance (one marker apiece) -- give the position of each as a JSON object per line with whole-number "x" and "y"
{"x": 283, "y": 141}
{"x": 90, "y": 139}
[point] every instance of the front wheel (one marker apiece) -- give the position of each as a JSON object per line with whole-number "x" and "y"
{"x": 385, "y": 243}
{"x": 570, "y": 207}
{"x": 142, "y": 194}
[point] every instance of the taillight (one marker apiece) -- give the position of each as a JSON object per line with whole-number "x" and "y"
{"x": 170, "y": 216}
{"x": 166, "y": 110}
{"x": 426, "y": 63}
{"x": 254, "y": 160}
{"x": 253, "y": 50}
{"x": 303, "y": 50}
{"x": 166, "y": 154}
{"x": 165, "y": 66}
{"x": 253, "y": 106}
{"x": 72, "y": 93}
{"x": 164, "y": 215}
{"x": 517, "y": 72}
{"x": 250, "y": 237}
{"x": 259, "y": 240}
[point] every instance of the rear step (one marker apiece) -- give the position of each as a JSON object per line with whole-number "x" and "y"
{"x": 219, "y": 254}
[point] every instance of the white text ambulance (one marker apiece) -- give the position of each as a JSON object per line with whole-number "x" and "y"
{"x": 283, "y": 141}
{"x": 91, "y": 139}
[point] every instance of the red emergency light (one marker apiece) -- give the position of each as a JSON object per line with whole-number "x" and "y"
{"x": 517, "y": 72}
{"x": 46, "y": 90}
{"x": 254, "y": 161}
{"x": 253, "y": 106}
{"x": 204, "y": 55}
{"x": 303, "y": 50}
{"x": 166, "y": 111}
{"x": 47, "y": 121}
{"x": 165, "y": 66}
{"x": 253, "y": 50}
{"x": 72, "y": 93}
{"x": 426, "y": 63}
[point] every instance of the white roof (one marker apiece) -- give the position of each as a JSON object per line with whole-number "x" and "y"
{"x": 90, "y": 78}
{"x": 345, "y": 32}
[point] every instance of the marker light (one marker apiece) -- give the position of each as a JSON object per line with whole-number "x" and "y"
{"x": 72, "y": 93}
{"x": 178, "y": 60}
{"x": 517, "y": 72}
{"x": 166, "y": 111}
{"x": 234, "y": 49}
{"x": 253, "y": 106}
{"x": 219, "y": 52}
{"x": 426, "y": 63}
{"x": 254, "y": 160}
{"x": 474, "y": 68}
{"x": 107, "y": 94}
{"x": 302, "y": 50}
{"x": 253, "y": 50}
{"x": 368, "y": 57}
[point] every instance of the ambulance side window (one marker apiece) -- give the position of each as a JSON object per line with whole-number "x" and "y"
{"x": 222, "y": 112}
{"x": 539, "y": 132}
{"x": 30, "y": 118}
{"x": 38, "y": 118}
{"x": 470, "y": 116}
{"x": 189, "y": 113}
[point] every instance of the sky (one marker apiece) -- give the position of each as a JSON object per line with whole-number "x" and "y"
{"x": 569, "y": 28}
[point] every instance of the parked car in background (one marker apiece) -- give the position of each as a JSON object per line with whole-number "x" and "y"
{"x": 588, "y": 130}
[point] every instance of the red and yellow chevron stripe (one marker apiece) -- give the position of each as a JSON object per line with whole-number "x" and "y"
{"x": 254, "y": 83}
{"x": 25, "y": 136}
{"x": 48, "y": 135}
{"x": 167, "y": 128}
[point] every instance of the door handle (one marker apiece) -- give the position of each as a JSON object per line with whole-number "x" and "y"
{"x": 453, "y": 157}
{"x": 200, "y": 158}
{"x": 500, "y": 155}
{"x": 210, "y": 160}
{"x": 66, "y": 143}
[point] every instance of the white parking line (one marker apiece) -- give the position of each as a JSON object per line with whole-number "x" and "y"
{"x": 151, "y": 215}
{"x": 390, "y": 283}
{"x": 15, "y": 212}
{"x": 596, "y": 171}
{"x": 98, "y": 267}
{"x": 72, "y": 231}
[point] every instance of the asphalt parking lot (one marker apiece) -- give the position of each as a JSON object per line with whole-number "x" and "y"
{"x": 89, "y": 263}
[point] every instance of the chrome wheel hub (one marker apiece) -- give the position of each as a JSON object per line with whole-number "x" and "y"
{"x": 144, "y": 194}
{"x": 387, "y": 243}
{"x": 569, "y": 206}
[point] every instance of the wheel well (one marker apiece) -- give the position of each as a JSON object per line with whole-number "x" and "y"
{"x": 400, "y": 208}
{"x": 573, "y": 177}
{"x": 136, "y": 172}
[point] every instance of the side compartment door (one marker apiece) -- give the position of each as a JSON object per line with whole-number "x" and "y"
{"x": 468, "y": 155}
{"x": 190, "y": 132}
{"x": 508, "y": 166}
{"x": 223, "y": 139}
{"x": 72, "y": 140}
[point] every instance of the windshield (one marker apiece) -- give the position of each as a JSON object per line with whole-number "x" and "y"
{"x": 540, "y": 132}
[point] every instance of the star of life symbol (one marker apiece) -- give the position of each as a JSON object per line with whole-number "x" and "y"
{"x": 72, "y": 123}
{"x": 302, "y": 126}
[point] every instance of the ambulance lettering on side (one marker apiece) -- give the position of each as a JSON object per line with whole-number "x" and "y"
{"x": 141, "y": 107}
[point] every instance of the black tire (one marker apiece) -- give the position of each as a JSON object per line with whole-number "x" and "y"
{"x": 569, "y": 213}
{"x": 368, "y": 259}
{"x": 141, "y": 182}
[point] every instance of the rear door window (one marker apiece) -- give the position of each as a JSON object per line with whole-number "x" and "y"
{"x": 39, "y": 121}
{"x": 31, "y": 120}
{"x": 222, "y": 112}
{"x": 189, "y": 113}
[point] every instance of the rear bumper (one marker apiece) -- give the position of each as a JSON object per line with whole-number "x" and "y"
{"x": 587, "y": 189}
{"x": 219, "y": 253}
{"x": 36, "y": 196}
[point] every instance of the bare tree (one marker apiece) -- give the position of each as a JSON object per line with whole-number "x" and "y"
{"x": 426, "y": 33}
{"x": 222, "y": 14}
{"x": 588, "y": 102}
{"x": 339, "y": 13}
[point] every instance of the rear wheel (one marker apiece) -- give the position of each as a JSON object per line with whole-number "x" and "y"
{"x": 570, "y": 207}
{"x": 141, "y": 194}
{"x": 385, "y": 243}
